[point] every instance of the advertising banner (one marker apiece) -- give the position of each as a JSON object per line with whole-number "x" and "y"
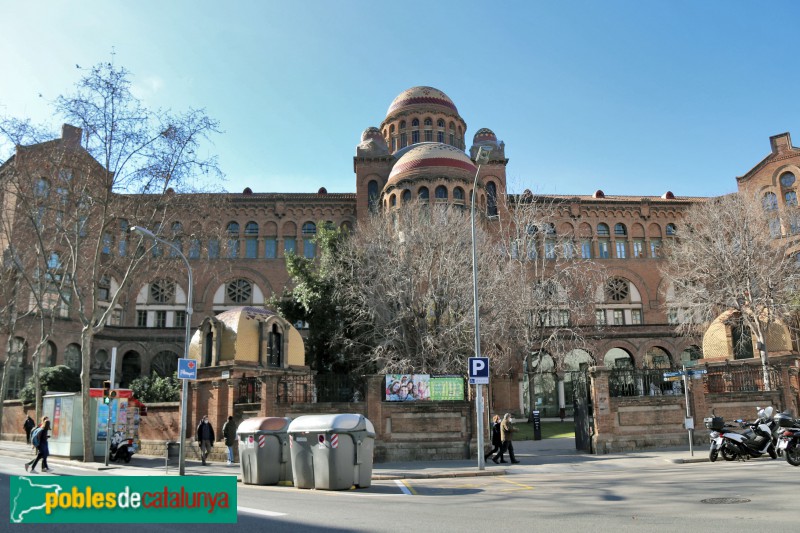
{"x": 122, "y": 500}
{"x": 423, "y": 387}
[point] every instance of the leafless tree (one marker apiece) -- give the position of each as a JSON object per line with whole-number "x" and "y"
{"x": 123, "y": 167}
{"x": 731, "y": 256}
{"x": 552, "y": 291}
{"x": 404, "y": 283}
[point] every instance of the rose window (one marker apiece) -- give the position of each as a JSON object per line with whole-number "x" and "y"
{"x": 617, "y": 289}
{"x": 162, "y": 291}
{"x": 240, "y": 291}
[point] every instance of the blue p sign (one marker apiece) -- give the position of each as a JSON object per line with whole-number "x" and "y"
{"x": 478, "y": 370}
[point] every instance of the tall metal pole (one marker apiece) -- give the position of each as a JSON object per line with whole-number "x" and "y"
{"x": 187, "y": 338}
{"x": 480, "y": 157}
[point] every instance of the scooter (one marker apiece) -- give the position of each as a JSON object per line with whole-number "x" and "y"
{"x": 788, "y": 438}
{"x": 751, "y": 440}
{"x": 121, "y": 448}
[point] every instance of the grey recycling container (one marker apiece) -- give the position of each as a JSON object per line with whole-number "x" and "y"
{"x": 264, "y": 450}
{"x": 332, "y": 452}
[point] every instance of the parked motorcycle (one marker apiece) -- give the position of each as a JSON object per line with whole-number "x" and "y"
{"x": 788, "y": 438}
{"x": 121, "y": 448}
{"x": 750, "y": 440}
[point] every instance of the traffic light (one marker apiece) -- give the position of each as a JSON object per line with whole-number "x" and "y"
{"x": 107, "y": 392}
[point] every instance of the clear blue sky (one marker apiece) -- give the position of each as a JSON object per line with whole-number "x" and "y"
{"x": 632, "y": 97}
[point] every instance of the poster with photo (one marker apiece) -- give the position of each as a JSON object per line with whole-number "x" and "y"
{"x": 407, "y": 387}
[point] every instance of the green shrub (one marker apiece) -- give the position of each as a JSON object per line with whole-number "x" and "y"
{"x": 54, "y": 378}
{"x": 154, "y": 389}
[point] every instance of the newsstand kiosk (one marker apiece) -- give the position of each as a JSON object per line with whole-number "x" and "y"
{"x": 66, "y": 420}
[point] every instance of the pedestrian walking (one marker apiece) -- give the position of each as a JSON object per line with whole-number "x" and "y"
{"x": 506, "y": 429}
{"x": 229, "y": 436}
{"x": 205, "y": 436}
{"x": 39, "y": 438}
{"x": 496, "y": 442}
{"x": 28, "y": 427}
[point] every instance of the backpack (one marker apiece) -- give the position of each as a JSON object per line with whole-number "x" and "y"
{"x": 35, "y": 437}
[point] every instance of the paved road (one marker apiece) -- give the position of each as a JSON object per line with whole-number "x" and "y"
{"x": 635, "y": 492}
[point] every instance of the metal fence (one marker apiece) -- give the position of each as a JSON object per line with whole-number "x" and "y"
{"x": 631, "y": 382}
{"x": 741, "y": 378}
{"x": 249, "y": 390}
{"x": 321, "y": 388}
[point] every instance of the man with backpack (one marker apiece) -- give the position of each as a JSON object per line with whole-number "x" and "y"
{"x": 39, "y": 438}
{"x": 28, "y": 427}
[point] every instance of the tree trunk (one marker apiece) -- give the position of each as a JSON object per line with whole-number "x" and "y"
{"x": 762, "y": 351}
{"x": 86, "y": 352}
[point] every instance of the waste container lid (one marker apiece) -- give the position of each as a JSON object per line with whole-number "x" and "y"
{"x": 268, "y": 424}
{"x": 341, "y": 422}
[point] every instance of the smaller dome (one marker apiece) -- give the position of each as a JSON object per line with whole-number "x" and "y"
{"x": 247, "y": 190}
{"x": 599, "y": 194}
{"x": 322, "y": 190}
{"x": 484, "y": 135}
{"x": 371, "y": 133}
{"x": 668, "y": 196}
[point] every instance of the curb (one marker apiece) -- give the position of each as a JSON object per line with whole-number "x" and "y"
{"x": 434, "y": 475}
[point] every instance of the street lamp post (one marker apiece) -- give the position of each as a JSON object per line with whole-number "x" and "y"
{"x": 481, "y": 157}
{"x": 144, "y": 232}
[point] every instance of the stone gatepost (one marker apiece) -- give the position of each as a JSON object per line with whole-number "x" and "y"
{"x": 374, "y": 399}
{"x": 269, "y": 395}
{"x": 603, "y": 416}
{"x": 232, "y": 385}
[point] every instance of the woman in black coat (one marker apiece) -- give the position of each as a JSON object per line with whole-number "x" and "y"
{"x": 495, "y": 437}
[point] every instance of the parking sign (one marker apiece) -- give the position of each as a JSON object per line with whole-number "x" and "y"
{"x": 478, "y": 370}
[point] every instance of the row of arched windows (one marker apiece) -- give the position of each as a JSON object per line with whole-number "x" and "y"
{"x": 441, "y": 194}
{"x": 444, "y": 133}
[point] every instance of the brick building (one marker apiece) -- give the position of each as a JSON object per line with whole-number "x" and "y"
{"x": 418, "y": 151}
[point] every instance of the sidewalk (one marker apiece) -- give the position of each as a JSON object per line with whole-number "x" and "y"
{"x": 549, "y": 455}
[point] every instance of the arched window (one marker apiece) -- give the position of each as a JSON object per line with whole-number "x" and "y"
{"x": 428, "y": 122}
{"x": 406, "y": 196}
{"x": 42, "y": 188}
{"x": 441, "y": 192}
{"x": 791, "y": 198}
{"x": 657, "y": 358}
{"x": 309, "y": 228}
{"x": 458, "y": 194}
{"x": 423, "y": 193}
{"x": 16, "y": 368}
{"x": 452, "y": 134}
{"x": 602, "y": 230}
{"x": 48, "y": 356}
{"x": 274, "y": 347}
{"x": 620, "y": 230}
{"x": 164, "y": 364}
{"x": 415, "y": 123}
{"x": 233, "y": 240}
{"x": 372, "y": 195}
{"x": 491, "y": 199}
{"x": 769, "y": 201}
{"x": 239, "y": 291}
{"x": 440, "y": 123}
{"x": 672, "y": 230}
{"x": 392, "y": 200}
{"x": 402, "y": 124}
{"x": 251, "y": 240}
{"x": 414, "y": 136}
{"x": 72, "y": 357}
{"x": 787, "y": 179}
{"x": 177, "y": 231}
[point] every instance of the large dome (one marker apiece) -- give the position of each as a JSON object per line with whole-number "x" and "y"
{"x": 432, "y": 157}
{"x": 427, "y": 97}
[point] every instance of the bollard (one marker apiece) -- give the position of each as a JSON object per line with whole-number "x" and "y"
{"x": 537, "y": 426}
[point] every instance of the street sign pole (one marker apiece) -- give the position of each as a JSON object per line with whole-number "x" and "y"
{"x": 688, "y": 410}
{"x": 111, "y": 403}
